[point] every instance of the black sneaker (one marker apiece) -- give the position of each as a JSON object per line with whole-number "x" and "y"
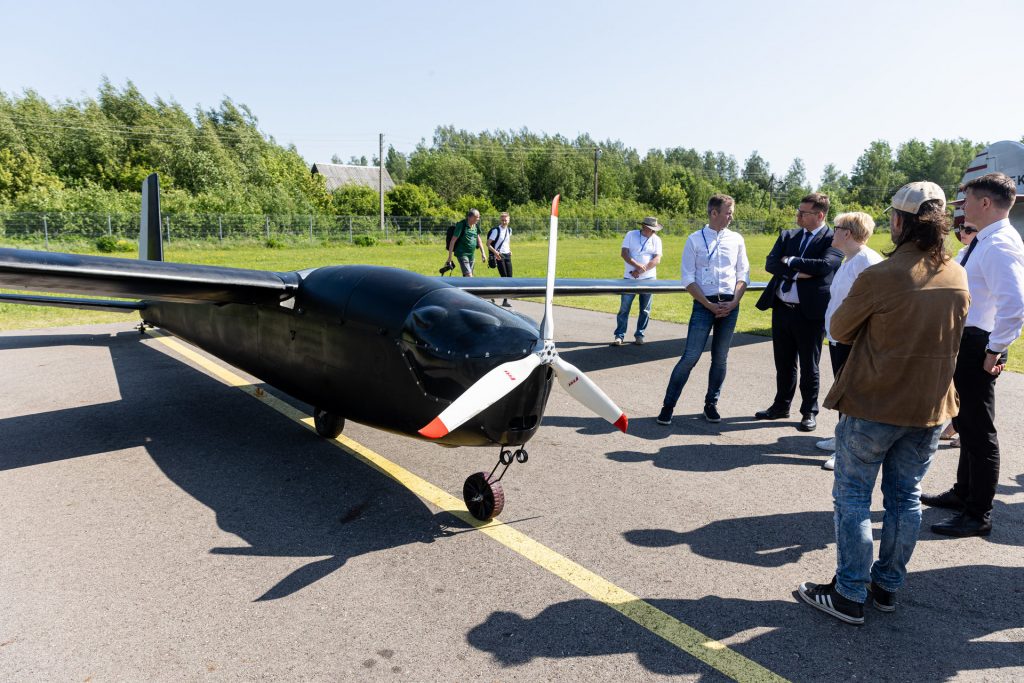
{"x": 665, "y": 416}
{"x": 883, "y": 600}
{"x": 826, "y": 598}
{"x": 711, "y": 413}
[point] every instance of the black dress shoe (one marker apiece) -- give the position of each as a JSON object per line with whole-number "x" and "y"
{"x": 773, "y": 413}
{"x": 947, "y": 500}
{"x": 807, "y": 423}
{"x": 962, "y": 526}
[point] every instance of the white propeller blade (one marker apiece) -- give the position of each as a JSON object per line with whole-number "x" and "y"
{"x": 547, "y": 326}
{"x": 484, "y": 393}
{"x": 581, "y": 388}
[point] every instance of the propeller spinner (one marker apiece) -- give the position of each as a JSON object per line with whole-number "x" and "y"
{"x": 507, "y": 376}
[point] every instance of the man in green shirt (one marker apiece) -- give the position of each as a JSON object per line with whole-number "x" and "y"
{"x": 465, "y": 241}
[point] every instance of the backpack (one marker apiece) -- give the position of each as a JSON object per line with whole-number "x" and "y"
{"x": 448, "y": 235}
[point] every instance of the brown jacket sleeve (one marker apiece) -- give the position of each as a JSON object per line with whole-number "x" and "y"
{"x": 855, "y": 310}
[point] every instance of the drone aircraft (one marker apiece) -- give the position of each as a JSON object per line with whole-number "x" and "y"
{"x": 420, "y": 356}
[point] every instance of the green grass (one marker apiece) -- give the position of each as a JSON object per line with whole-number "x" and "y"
{"x": 577, "y": 257}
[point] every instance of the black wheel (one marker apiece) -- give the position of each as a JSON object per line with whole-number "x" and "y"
{"x": 484, "y": 498}
{"x": 328, "y": 425}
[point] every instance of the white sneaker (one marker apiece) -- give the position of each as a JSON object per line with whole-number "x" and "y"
{"x": 827, "y": 444}
{"x": 829, "y": 464}
{"x": 638, "y": 340}
{"x": 618, "y": 341}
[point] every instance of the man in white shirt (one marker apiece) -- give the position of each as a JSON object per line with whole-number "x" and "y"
{"x": 641, "y": 250}
{"x": 501, "y": 251}
{"x": 995, "y": 275}
{"x": 852, "y": 233}
{"x": 716, "y": 272}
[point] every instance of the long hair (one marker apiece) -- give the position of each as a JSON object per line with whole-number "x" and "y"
{"x": 927, "y": 229}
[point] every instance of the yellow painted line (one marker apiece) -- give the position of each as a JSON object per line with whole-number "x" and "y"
{"x": 686, "y": 638}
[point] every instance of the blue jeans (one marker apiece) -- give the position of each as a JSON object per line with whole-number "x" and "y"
{"x": 903, "y": 454}
{"x": 702, "y": 322}
{"x": 622, "y": 318}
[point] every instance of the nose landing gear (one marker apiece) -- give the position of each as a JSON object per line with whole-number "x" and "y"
{"x": 483, "y": 493}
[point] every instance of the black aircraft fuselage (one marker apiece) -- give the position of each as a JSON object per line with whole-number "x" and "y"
{"x": 381, "y": 346}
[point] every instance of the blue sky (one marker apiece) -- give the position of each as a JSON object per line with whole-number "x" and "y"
{"x": 791, "y": 79}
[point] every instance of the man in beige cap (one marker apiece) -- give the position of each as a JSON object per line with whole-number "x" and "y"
{"x": 904, "y": 318}
{"x": 641, "y": 250}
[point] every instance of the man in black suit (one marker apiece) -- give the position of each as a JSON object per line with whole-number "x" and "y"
{"x": 802, "y": 264}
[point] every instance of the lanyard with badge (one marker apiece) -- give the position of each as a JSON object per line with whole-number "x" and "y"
{"x": 706, "y": 274}
{"x": 640, "y": 251}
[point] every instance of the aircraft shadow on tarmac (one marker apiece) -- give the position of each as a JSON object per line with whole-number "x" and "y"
{"x": 944, "y": 624}
{"x": 277, "y": 486}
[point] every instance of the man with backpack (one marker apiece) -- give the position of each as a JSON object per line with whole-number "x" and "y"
{"x": 463, "y": 242}
{"x": 501, "y": 253}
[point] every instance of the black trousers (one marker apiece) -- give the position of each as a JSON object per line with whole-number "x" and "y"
{"x": 838, "y": 353}
{"x": 978, "y": 471}
{"x": 795, "y": 338}
{"x": 505, "y": 265}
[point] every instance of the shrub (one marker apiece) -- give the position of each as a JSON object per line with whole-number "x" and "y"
{"x": 108, "y": 244}
{"x": 274, "y": 243}
{"x": 364, "y": 240}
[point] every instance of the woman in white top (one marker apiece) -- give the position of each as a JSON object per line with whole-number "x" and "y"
{"x": 852, "y": 233}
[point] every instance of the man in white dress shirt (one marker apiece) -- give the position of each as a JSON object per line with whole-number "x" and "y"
{"x": 852, "y": 233}
{"x": 995, "y": 275}
{"x": 716, "y": 272}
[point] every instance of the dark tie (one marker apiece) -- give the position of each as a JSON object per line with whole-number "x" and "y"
{"x": 970, "y": 248}
{"x": 787, "y": 284}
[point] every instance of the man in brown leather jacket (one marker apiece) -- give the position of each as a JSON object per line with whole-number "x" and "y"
{"x": 904, "y": 318}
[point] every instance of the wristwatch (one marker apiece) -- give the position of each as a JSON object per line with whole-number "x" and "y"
{"x": 993, "y": 353}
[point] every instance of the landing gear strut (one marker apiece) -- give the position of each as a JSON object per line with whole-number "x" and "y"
{"x": 482, "y": 492}
{"x": 328, "y": 425}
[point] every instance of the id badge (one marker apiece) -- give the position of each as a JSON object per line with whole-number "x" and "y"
{"x": 707, "y": 277}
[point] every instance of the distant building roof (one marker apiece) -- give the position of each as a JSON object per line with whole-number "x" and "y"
{"x": 337, "y": 175}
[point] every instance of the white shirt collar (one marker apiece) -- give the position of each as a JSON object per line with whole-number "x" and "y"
{"x": 992, "y": 228}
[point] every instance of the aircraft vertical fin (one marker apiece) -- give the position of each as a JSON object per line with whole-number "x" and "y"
{"x": 151, "y": 246}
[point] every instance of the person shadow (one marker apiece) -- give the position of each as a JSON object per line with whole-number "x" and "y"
{"x": 944, "y": 626}
{"x": 277, "y": 486}
{"x": 717, "y": 457}
{"x": 765, "y": 541}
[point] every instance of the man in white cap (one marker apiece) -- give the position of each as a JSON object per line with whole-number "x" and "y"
{"x": 641, "y": 250}
{"x": 903, "y": 318}
{"x": 995, "y": 270}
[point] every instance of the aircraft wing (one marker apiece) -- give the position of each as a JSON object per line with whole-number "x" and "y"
{"x": 128, "y": 278}
{"x": 515, "y": 288}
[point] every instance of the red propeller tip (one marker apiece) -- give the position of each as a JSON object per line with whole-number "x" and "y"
{"x": 554, "y": 205}
{"x": 436, "y": 429}
{"x": 622, "y": 423}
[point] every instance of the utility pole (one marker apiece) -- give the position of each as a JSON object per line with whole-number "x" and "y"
{"x": 597, "y": 155}
{"x": 380, "y": 180}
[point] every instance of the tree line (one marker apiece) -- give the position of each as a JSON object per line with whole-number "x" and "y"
{"x": 91, "y": 156}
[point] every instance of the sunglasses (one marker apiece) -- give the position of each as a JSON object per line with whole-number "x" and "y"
{"x": 965, "y": 230}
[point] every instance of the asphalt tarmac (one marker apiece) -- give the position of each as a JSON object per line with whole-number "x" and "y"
{"x": 159, "y": 524}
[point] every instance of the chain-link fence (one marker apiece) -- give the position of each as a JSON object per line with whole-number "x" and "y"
{"x": 65, "y": 226}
